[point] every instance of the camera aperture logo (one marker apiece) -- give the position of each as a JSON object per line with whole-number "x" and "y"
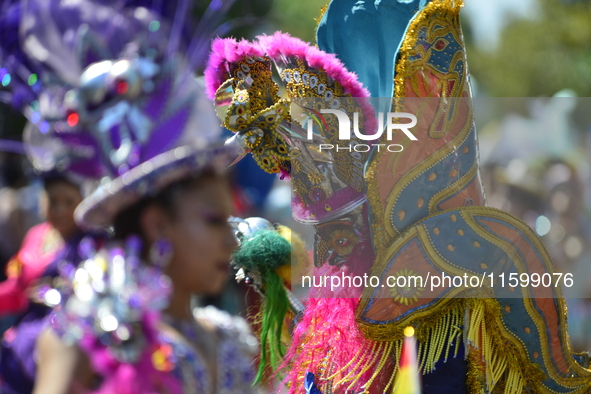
{"x": 345, "y": 131}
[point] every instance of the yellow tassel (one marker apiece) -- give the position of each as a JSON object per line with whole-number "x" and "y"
{"x": 493, "y": 367}
{"x": 385, "y": 354}
{"x": 397, "y": 355}
{"x": 435, "y": 341}
{"x": 354, "y": 359}
{"x": 421, "y": 354}
{"x": 349, "y": 376}
{"x": 367, "y": 366}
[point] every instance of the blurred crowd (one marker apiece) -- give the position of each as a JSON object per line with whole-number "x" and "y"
{"x": 535, "y": 164}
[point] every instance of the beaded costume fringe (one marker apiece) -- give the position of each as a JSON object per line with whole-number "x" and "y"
{"x": 495, "y": 366}
{"x": 318, "y": 19}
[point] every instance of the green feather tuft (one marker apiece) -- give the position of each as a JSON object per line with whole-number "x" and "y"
{"x": 275, "y": 306}
{"x": 266, "y": 252}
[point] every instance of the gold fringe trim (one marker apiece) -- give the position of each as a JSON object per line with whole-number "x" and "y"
{"x": 435, "y": 340}
{"x": 385, "y": 355}
{"x": 375, "y": 358}
{"x": 495, "y": 365}
{"x": 422, "y": 324}
{"x": 397, "y": 353}
{"x": 319, "y": 18}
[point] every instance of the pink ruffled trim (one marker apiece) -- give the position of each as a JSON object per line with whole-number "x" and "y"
{"x": 223, "y": 52}
{"x": 328, "y": 325}
{"x": 282, "y": 44}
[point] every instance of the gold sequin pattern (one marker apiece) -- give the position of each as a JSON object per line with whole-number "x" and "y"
{"x": 256, "y": 110}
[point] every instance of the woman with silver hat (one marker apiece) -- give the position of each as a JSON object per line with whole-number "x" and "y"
{"x": 114, "y": 100}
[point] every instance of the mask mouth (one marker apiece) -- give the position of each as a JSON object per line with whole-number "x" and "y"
{"x": 336, "y": 259}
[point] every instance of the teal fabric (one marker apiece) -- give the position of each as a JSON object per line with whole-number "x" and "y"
{"x": 366, "y": 35}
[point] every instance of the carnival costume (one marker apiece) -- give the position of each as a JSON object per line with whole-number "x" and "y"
{"x": 110, "y": 95}
{"x": 17, "y": 350}
{"x": 420, "y": 211}
{"x": 40, "y": 247}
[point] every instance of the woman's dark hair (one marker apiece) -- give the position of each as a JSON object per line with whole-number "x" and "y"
{"x": 13, "y": 171}
{"x": 53, "y": 179}
{"x": 127, "y": 222}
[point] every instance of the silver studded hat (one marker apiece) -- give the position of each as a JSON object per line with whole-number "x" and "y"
{"x": 110, "y": 95}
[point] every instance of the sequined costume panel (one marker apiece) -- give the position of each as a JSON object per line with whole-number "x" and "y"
{"x": 111, "y": 308}
{"x": 235, "y": 354}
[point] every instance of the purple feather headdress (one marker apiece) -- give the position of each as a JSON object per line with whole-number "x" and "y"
{"x": 108, "y": 87}
{"x": 109, "y": 92}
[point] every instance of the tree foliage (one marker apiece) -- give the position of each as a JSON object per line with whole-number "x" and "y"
{"x": 538, "y": 57}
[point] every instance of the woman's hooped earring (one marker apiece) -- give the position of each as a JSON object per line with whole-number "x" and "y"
{"x": 161, "y": 253}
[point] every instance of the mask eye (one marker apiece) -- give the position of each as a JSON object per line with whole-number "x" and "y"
{"x": 440, "y": 44}
{"x": 124, "y": 80}
{"x": 342, "y": 242}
